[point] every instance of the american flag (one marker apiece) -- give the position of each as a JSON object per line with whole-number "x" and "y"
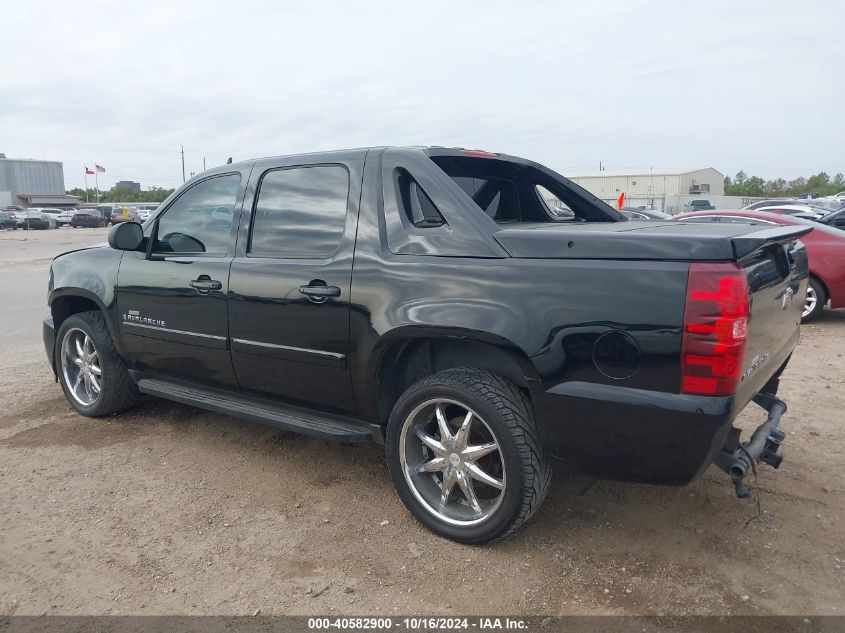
{"x": 100, "y": 169}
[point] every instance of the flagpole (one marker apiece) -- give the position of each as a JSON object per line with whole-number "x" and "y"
{"x": 97, "y": 183}
{"x": 86, "y": 185}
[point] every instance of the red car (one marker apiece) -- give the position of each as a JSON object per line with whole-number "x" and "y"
{"x": 825, "y": 250}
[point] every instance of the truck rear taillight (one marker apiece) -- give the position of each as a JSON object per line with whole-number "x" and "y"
{"x": 715, "y": 329}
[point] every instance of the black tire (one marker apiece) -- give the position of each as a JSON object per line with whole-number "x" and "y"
{"x": 815, "y": 287}
{"x": 507, "y": 414}
{"x": 117, "y": 391}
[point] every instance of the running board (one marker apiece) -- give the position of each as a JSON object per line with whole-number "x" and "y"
{"x": 289, "y": 417}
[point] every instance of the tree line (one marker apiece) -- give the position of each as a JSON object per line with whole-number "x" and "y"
{"x": 755, "y": 187}
{"x": 119, "y": 194}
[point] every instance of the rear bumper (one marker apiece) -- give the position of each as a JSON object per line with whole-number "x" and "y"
{"x": 616, "y": 432}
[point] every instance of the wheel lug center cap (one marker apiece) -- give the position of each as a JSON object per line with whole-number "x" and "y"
{"x": 455, "y": 459}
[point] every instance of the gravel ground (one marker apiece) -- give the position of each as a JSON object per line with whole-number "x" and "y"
{"x": 172, "y": 510}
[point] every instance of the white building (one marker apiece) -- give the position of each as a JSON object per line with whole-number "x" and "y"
{"x": 661, "y": 190}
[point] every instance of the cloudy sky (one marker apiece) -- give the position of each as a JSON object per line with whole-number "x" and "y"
{"x": 754, "y": 85}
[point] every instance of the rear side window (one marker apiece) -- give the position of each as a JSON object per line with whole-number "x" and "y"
{"x": 300, "y": 212}
{"x": 419, "y": 209}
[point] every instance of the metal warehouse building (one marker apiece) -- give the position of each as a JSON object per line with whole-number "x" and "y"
{"x": 657, "y": 189}
{"x": 33, "y": 183}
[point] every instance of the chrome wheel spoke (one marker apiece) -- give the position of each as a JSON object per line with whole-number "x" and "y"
{"x": 468, "y": 489}
{"x": 433, "y": 466}
{"x": 95, "y": 369}
{"x": 446, "y": 487}
{"x": 462, "y": 436}
{"x": 473, "y": 453}
{"x": 433, "y": 445}
{"x": 95, "y": 384}
{"x": 80, "y": 351}
{"x": 442, "y": 424}
{"x": 476, "y": 473}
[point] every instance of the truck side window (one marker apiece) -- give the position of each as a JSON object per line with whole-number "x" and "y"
{"x": 419, "y": 209}
{"x": 300, "y": 212}
{"x": 200, "y": 221}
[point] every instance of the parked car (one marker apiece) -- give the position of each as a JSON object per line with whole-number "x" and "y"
{"x": 834, "y": 220}
{"x": 798, "y": 210}
{"x": 817, "y": 205}
{"x": 91, "y": 218}
{"x": 479, "y": 337}
{"x": 8, "y": 220}
{"x": 106, "y": 211}
{"x": 825, "y": 248}
{"x": 36, "y": 218}
{"x": 123, "y": 214}
{"x": 699, "y": 205}
{"x": 644, "y": 214}
{"x": 20, "y": 217}
{"x": 53, "y": 213}
{"x": 64, "y": 218}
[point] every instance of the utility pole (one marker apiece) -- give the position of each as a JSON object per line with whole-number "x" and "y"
{"x": 183, "y": 162}
{"x": 600, "y": 169}
{"x": 203, "y": 163}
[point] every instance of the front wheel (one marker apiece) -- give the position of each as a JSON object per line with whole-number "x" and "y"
{"x": 813, "y": 302}
{"x": 465, "y": 457}
{"x": 92, "y": 374}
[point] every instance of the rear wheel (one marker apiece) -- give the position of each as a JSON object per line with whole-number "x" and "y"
{"x": 814, "y": 301}
{"x": 464, "y": 455}
{"x": 92, "y": 374}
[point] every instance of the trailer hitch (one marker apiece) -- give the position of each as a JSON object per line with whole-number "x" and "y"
{"x": 764, "y": 445}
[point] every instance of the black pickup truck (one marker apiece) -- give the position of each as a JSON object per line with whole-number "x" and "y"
{"x": 479, "y": 314}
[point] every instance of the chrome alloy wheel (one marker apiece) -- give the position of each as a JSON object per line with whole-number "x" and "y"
{"x": 810, "y": 301}
{"x": 452, "y": 462}
{"x": 81, "y": 367}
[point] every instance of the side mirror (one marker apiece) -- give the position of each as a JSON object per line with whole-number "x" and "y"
{"x": 126, "y": 236}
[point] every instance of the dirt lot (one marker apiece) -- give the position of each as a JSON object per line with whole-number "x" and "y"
{"x": 169, "y": 509}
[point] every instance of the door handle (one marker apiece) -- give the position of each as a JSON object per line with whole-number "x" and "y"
{"x": 204, "y": 284}
{"x": 319, "y": 292}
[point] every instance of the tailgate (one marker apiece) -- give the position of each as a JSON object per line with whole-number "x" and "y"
{"x": 775, "y": 262}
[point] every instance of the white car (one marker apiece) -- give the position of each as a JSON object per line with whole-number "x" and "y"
{"x": 798, "y": 210}
{"x": 65, "y": 217}
{"x": 53, "y": 213}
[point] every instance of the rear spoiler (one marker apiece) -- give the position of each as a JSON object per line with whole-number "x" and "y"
{"x": 750, "y": 242}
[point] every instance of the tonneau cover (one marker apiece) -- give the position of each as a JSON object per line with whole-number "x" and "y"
{"x": 649, "y": 240}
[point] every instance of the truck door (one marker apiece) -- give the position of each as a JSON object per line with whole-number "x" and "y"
{"x": 172, "y": 305}
{"x": 290, "y": 282}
